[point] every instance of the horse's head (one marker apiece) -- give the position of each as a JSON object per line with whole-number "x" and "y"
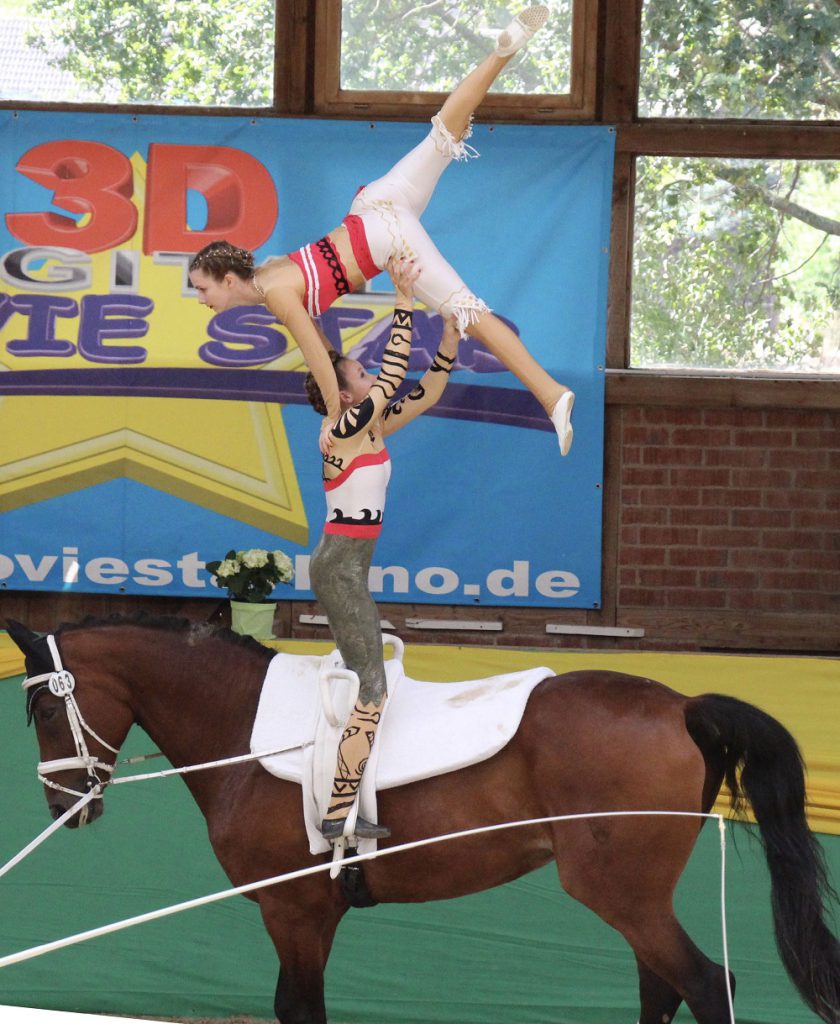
{"x": 79, "y": 730}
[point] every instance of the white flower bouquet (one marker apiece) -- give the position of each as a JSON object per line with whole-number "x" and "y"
{"x": 251, "y": 575}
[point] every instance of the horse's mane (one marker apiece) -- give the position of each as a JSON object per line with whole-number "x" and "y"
{"x": 167, "y": 624}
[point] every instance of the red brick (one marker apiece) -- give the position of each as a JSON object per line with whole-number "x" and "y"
{"x": 639, "y": 596}
{"x": 671, "y": 496}
{"x": 668, "y": 577}
{"x": 828, "y": 439}
{"x": 720, "y": 537}
{"x": 761, "y": 517}
{"x": 672, "y": 456}
{"x": 630, "y": 495}
{"x": 631, "y": 455}
{"x": 644, "y": 514}
{"x": 818, "y": 519}
{"x": 704, "y": 436}
{"x": 700, "y": 477}
{"x": 758, "y": 558}
{"x": 631, "y": 414}
{"x": 816, "y": 479}
{"x": 629, "y": 534}
{"x": 692, "y": 598}
{"x": 826, "y": 604}
{"x": 731, "y": 579}
{"x": 801, "y": 579}
{"x": 798, "y": 458}
{"x": 791, "y": 539}
{"x": 733, "y": 417}
{"x": 760, "y": 600}
{"x": 825, "y": 560}
{"x": 730, "y": 497}
{"x": 668, "y": 535}
{"x": 644, "y": 477}
{"x": 763, "y": 438}
{"x": 699, "y": 517}
{"x": 793, "y": 499}
{"x": 645, "y": 435}
{"x": 797, "y": 417}
{"x": 736, "y": 457}
{"x": 776, "y": 478}
{"x": 699, "y": 556}
{"x": 674, "y": 415}
{"x": 627, "y": 577}
{"x": 642, "y": 556}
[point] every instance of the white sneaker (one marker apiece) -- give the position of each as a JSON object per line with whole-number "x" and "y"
{"x": 561, "y": 417}
{"x": 521, "y": 29}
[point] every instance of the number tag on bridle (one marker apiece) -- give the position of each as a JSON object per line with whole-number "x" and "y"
{"x": 61, "y": 683}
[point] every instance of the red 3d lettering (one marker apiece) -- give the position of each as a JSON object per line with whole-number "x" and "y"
{"x": 240, "y": 194}
{"x": 87, "y": 178}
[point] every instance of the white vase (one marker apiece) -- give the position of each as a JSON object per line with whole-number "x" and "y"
{"x": 254, "y": 619}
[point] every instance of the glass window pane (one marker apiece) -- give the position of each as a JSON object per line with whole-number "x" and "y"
{"x": 394, "y": 46}
{"x": 737, "y": 264}
{"x": 168, "y": 52}
{"x": 740, "y": 59}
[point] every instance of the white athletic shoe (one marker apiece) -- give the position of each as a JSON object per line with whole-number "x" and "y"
{"x": 521, "y": 29}
{"x": 561, "y": 417}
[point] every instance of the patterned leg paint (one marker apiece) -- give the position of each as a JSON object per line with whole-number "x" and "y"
{"x": 353, "y": 752}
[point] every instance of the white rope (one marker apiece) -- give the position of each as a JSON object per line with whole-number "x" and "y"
{"x": 130, "y": 922}
{"x": 18, "y": 857}
{"x": 238, "y": 759}
{"x": 722, "y": 829}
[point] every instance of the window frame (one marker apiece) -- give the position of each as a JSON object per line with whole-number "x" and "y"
{"x": 578, "y": 104}
{"x": 688, "y": 137}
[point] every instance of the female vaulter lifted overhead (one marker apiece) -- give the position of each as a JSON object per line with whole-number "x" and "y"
{"x": 383, "y": 224}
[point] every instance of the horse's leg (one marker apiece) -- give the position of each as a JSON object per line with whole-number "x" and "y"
{"x": 672, "y": 969}
{"x": 303, "y": 936}
{"x": 659, "y": 1000}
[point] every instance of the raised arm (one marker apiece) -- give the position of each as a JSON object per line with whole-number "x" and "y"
{"x": 394, "y": 359}
{"x": 285, "y": 304}
{"x": 430, "y": 386}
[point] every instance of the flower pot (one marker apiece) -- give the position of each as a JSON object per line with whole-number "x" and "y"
{"x": 253, "y": 619}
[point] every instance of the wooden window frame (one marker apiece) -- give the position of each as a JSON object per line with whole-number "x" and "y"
{"x": 578, "y": 104}
{"x": 683, "y": 137}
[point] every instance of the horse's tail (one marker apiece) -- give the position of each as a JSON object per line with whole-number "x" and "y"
{"x": 737, "y": 736}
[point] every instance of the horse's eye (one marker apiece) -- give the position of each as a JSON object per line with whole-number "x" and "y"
{"x": 45, "y": 712}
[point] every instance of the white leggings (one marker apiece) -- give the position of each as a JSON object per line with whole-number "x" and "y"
{"x": 390, "y": 209}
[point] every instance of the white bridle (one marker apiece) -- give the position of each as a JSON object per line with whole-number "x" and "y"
{"x": 61, "y": 683}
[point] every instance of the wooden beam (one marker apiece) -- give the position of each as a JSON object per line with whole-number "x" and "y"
{"x": 715, "y": 391}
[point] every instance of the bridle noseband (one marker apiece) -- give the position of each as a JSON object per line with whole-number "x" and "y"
{"x": 61, "y": 683}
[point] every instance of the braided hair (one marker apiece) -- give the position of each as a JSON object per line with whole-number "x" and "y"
{"x": 220, "y": 258}
{"x": 313, "y": 392}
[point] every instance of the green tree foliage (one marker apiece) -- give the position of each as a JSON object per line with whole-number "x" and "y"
{"x": 737, "y": 263}
{"x": 428, "y": 47}
{"x": 164, "y": 51}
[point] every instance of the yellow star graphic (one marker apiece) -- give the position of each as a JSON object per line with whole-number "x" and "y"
{"x": 230, "y": 457}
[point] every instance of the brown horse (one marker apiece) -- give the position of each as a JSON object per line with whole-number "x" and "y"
{"x": 588, "y": 741}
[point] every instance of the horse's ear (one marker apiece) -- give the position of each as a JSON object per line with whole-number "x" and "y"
{"x": 25, "y": 639}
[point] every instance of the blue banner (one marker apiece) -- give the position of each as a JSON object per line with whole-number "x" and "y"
{"x": 141, "y": 436}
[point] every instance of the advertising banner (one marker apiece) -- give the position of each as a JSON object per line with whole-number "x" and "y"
{"x": 140, "y": 435}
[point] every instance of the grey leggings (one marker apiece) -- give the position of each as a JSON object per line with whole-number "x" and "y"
{"x": 338, "y": 572}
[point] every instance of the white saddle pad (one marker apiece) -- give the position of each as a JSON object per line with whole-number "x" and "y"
{"x": 426, "y": 728}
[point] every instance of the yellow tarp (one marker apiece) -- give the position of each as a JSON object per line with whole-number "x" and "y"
{"x": 802, "y": 693}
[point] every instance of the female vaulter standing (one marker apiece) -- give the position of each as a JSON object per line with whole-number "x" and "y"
{"x": 356, "y": 473}
{"x": 383, "y": 223}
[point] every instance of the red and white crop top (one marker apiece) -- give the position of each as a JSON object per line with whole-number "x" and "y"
{"x": 324, "y": 273}
{"x": 356, "y": 497}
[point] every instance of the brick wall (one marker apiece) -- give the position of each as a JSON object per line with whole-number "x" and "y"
{"x": 728, "y": 514}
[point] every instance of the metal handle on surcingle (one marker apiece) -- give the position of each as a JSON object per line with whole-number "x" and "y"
{"x": 396, "y": 643}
